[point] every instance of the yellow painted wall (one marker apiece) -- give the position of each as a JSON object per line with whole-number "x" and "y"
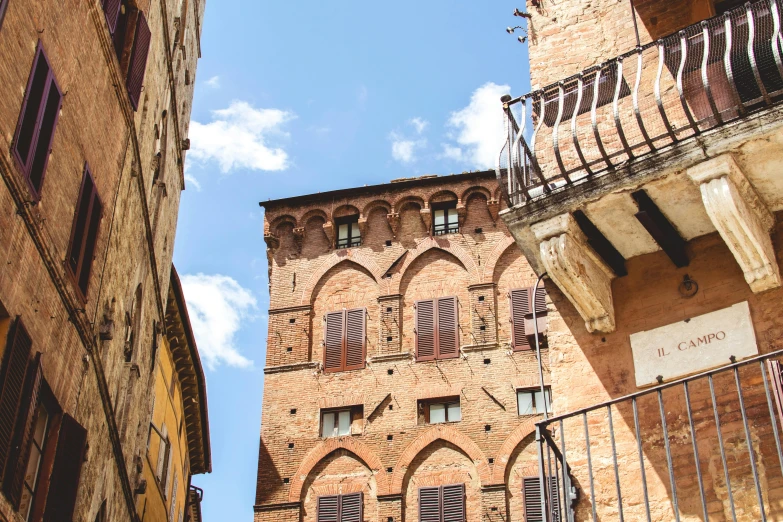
{"x": 168, "y": 412}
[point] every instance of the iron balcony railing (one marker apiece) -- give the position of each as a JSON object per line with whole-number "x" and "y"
{"x": 705, "y": 447}
{"x": 705, "y": 76}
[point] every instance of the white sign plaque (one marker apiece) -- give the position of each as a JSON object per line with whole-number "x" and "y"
{"x": 698, "y": 344}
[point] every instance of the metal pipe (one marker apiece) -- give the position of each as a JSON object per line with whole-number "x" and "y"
{"x": 635, "y": 25}
{"x": 722, "y": 448}
{"x": 695, "y": 451}
{"x": 538, "y": 346}
{"x": 590, "y": 467}
{"x": 751, "y": 453}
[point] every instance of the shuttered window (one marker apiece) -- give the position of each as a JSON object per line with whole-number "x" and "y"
{"x": 84, "y": 233}
{"x": 344, "y": 340}
{"x": 111, "y": 8}
{"x": 138, "y": 61}
{"x": 531, "y": 494}
{"x": 437, "y": 329}
{"x": 341, "y": 508}
{"x": 521, "y": 317}
{"x": 442, "y": 503}
{"x": 67, "y": 468}
{"x": 3, "y": 5}
{"x": 37, "y": 121}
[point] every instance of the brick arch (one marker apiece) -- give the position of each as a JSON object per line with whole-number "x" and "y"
{"x": 279, "y": 220}
{"x": 375, "y": 204}
{"x": 400, "y": 203}
{"x": 488, "y": 274}
{"x": 441, "y": 244}
{"x": 508, "y": 447}
{"x": 445, "y": 433}
{"x": 472, "y": 191}
{"x": 313, "y": 213}
{"x": 329, "y": 446}
{"x": 438, "y": 193}
{"x": 335, "y": 258}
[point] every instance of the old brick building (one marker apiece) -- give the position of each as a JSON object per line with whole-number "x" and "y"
{"x": 643, "y": 178}
{"x": 400, "y": 380}
{"x": 93, "y": 127}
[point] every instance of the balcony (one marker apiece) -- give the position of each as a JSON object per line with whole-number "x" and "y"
{"x": 671, "y": 141}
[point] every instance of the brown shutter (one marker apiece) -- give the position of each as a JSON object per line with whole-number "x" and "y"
{"x": 540, "y": 307}
{"x": 64, "y": 483}
{"x": 429, "y": 505}
{"x": 84, "y": 232}
{"x": 454, "y": 503}
{"x": 354, "y": 338}
{"x": 333, "y": 342}
{"x": 425, "y": 330}
{"x": 351, "y": 509}
{"x": 12, "y": 379}
{"x": 328, "y": 509}
{"x": 25, "y": 423}
{"x": 45, "y": 137}
{"x": 138, "y": 63}
{"x": 531, "y": 494}
{"x": 776, "y": 379}
{"x": 448, "y": 328}
{"x": 519, "y": 307}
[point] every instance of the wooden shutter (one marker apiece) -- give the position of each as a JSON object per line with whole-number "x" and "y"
{"x": 111, "y": 8}
{"x": 23, "y": 433}
{"x": 12, "y": 380}
{"x": 519, "y": 307}
{"x": 328, "y": 509}
{"x": 448, "y": 328}
{"x": 540, "y": 307}
{"x": 333, "y": 342}
{"x": 355, "y": 338}
{"x": 454, "y": 503}
{"x": 776, "y": 380}
{"x": 138, "y": 63}
{"x": 67, "y": 468}
{"x": 84, "y": 232}
{"x": 425, "y": 330}
{"x": 531, "y": 495}
{"x": 429, "y": 504}
{"x": 351, "y": 509}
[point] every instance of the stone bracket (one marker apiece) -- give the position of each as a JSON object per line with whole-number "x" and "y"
{"x": 394, "y": 222}
{"x": 330, "y": 232}
{"x": 741, "y": 218}
{"x": 578, "y": 272}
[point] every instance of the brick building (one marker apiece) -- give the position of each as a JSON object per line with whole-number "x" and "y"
{"x": 93, "y": 131}
{"x": 642, "y": 177}
{"x": 400, "y": 376}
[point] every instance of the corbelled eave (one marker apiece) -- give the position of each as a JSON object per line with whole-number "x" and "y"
{"x": 187, "y": 364}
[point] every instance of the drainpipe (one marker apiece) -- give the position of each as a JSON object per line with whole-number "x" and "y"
{"x": 538, "y": 346}
{"x": 635, "y": 25}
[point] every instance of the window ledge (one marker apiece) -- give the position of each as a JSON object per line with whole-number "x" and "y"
{"x": 479, "y": 347}
{"x": 291, "y": 367}
{"x": 388, "y": 357}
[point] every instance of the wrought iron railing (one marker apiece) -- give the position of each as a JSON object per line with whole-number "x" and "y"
{"x": 703, "y": 77}
{"x": 706, "y": 447}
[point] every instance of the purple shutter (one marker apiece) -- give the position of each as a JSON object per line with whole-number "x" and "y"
{"x": 429, "y": 504}
{"x": 448, "y": 328}
{"x": 111, "y": 8}
{"x": 138, "y": 63}
{"x": 12, "y": 379}
{"x": 425, "y": 330}
{"x": 776, "y": 379}
{"x": 519, "y": 308}
{"x": 351, "y": 509}
{"x": 84, "y": 232}
{"x": 328, "y": 509}
{"x": 333, "y": 342}
{"x": 354, "y": 338}
{"x": 64, "y": 482}
{"x": 454, "y": 503}
{"x": 3, "y": 5}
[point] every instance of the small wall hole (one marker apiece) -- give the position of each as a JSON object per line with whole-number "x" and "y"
{"x": 487, "y": 427}
{"x": 293, "y": 411}
{"x": 389, "y": 339}
{"x": 389, "y": 437}
{"x": 291, "y": 321}
{"x": 390, "y": 371}
{"x": 290, "y": 445}
{"x": 487, "y": 361}
{"x": 286, "y": 480}
{"x": 388, "y": 242}
{"x": 289, "y": 349}
{"x": 481, "y": 298}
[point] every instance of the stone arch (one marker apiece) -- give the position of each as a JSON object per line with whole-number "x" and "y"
{"x": 378, "y": 203}
{"x": 442, "y": 244}
{"x": 488, "y": 274}
{"x": 442, "y": 195}
{"x": 472, "y": 191}
{"x": 400, "y": 203}
{"x": 448, "y": 434}
{"x": 352, "y": 255}
{"x": 507, "y": 448}
{"x": 324, "y": 449}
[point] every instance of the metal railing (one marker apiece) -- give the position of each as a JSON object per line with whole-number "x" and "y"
{"x": 670, "y": 90}
{"x": 705, "y": 447}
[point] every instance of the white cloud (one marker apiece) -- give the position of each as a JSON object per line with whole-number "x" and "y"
{"x": 419, "y": 124}
{"x": 451, "y": 152}
{"x": 239, "y": 136}
{"x": 479, "y": 126}
{"x": 403, "y": 149}
{"x": 213, "y": 82}
{"x": 217, "y": 306}
{"x": 193, "y": 181}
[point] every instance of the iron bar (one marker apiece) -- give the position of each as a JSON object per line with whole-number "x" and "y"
{"x": 752, "y": 53}
{"x": 697, "y": 461}
{"x": 590, "y": 468}
{"x": 658, "y": 98}
{"x": 776, "y": 36}
{"x": 580, "y": 84}
{"x": 556, "y": 129}
{"x": 641, "y": 457}
{"x": 614, "y": 461}
{"x": 664, "y": 427}
{"x": 772, "y": 417}
{"x": 705, "y": 80}
{"x": 637, "y": 112}
{"x": 616, "y": 109}
{"x": 722, "y": 448}
{"x": 541, "y": 475}
{"x": 751, "y": 453}
{"x": 727, "y": 31}
{"x": 594, "y": 117}
{"x": 680, "y": 88}
{"x": 566, "y": 477}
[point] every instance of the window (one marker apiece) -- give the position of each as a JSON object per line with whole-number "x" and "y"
{"x": 531, "y": 402}
{"x": 111, "y": 8}
{"x": 173, "y": 505}
{"x": 344, "y": 340}
{"x": 439, "y": 411}
{"x": 132, "y": 38}
{"x": 442, "y": 503}
{"x": 30, "y": 482}
{"x": 531, "y": 496}
{"x": 522, "y": 327}
{"x": 445, "y": 219}
{"x": 138, "y": 61}
{"x": 337, "y": 423}
{"x": 348, "y": 233}
{"x": 37, "y": 121}
{"x": 340, "y": 508}
{"x": 84, "y": 233}
{"x": 437, "y": 329}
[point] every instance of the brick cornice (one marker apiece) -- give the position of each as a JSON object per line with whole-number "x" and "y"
{"x": 289, "y": 309}
{"x": 291, "y": 367}
{"x": 260, "y": 508}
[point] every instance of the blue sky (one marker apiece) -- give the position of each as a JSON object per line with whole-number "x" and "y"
{"x": 299, "y": 97}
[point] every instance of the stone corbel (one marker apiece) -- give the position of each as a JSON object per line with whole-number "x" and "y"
{"x": 426, "y": 217}
{"x": 493, "y": 205}
{"x": 329, "y": 231}
{"x": 394, "y": 222}
{"x": 577, "y": 271}
{"x": 462, "y": 213}
{"x": 741, "y": 218}
{"x": 299, "y": 237}
{"x": 362, "y": 222}
{"x": 272, "y": 241}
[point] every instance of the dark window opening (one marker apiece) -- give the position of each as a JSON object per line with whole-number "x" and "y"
{"x": 444, "y": 218}
{"x": 84, "y": 233}
{"x": 439, "y": 411}
{"x": 348, "y": 233}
